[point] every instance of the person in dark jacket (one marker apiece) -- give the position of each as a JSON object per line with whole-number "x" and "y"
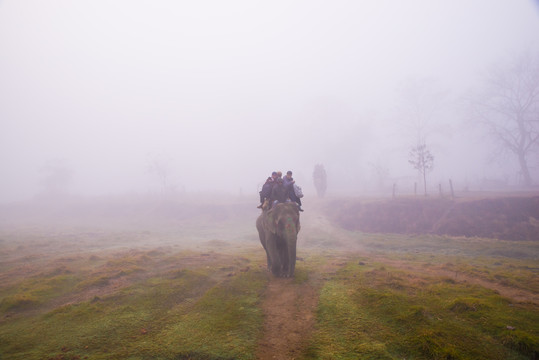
{"x": 265, "y": 193}
{"x": 279, "y": 193}
{"x": 288, "y": 182}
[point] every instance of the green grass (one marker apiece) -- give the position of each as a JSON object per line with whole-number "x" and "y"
{"x": 517, "y": 273}
{"x": 376, "y": 312}
{"x": 225, "y": 323}
{"x": 448, "y": 245}
{"x": 391, "y": 303}
{"x": 179, "y": 313}
{"x": 35, "y": 291}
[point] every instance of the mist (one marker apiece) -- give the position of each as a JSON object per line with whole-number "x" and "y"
{"x": 101, "y": 98}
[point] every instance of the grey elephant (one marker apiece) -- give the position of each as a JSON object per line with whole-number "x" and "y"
{"x": 278, "y": 230}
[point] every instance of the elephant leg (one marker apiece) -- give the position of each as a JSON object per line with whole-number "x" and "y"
{"x": 276, "y": 268}
{"x": 291, "y": 258}
{"x": 273, "y": 254}
{"x": 284, "y": 259}
{"x": 262, "y": 236}
{"x": 268, "y": 260}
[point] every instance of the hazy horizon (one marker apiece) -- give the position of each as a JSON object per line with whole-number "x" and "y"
{"x": 219, "y": 94}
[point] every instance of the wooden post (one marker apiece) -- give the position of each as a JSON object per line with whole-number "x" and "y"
{"x": 451, "y": 187}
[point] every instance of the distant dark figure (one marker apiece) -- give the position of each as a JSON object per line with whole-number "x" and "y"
{"x": 319, "y": 179}
{"x": 288, "y": 182}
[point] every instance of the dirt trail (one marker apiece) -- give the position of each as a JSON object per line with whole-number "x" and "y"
{"x": 289, "y": 313}
{"x": 289, "y": 308}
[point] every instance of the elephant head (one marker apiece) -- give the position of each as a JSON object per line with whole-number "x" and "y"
{"x": 278, "y": 229}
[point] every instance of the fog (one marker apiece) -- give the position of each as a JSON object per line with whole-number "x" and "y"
{"x": 121, "y": 97}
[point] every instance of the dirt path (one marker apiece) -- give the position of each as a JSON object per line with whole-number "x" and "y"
{"x": 289, "y": 310}
{"x": 289, "y": 319}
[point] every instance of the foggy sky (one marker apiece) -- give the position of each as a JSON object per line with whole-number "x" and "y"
{"x": 221, "y": 93}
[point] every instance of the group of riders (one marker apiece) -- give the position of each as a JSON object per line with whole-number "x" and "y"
{"x": 279, "y": 189}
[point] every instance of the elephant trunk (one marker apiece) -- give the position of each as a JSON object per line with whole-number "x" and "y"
{"x": 291, "y": 257}
{"x": 291, "y": 241}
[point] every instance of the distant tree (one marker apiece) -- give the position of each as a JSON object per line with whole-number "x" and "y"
{"x": 160, "y": 168}
{"x": 319, "y": 180}
{"x": 422, "y": 160}
{"x": 508, "y": 108}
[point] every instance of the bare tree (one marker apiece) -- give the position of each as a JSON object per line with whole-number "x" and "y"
{"x": 422, "y": 160}
{"x": 509, "y": 109}
{"x": 160, "y": 168}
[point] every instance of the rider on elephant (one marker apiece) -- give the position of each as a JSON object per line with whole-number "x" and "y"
{"x": 279, "y": 193}
{"x": 288, "y": 182}
{"x": 265, "y": 193}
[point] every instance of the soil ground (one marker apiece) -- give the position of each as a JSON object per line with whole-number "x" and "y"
{"x": 289, "y": 313}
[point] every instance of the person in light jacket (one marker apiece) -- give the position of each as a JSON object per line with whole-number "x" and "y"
{"x": 288, "y": 182}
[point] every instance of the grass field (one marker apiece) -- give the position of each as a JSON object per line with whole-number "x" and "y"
{"x": 198, "y": 289}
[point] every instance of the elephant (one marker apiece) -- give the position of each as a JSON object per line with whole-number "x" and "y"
{"x": 278, "y": 230}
